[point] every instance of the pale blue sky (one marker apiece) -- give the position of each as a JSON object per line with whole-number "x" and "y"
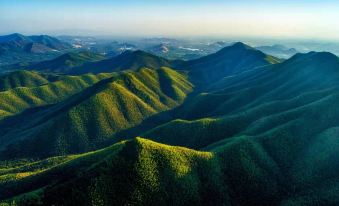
{"x": 255, "y": 18}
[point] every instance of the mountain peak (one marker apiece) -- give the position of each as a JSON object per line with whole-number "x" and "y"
{"x": 241, "y": 45}
{"x": 314, "y": 56}
{"x": 13, "y": 37}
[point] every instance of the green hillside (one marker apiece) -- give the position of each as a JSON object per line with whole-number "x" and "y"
{"x": 88, "y": 120}
{"x": 130, "y": 60}
{"x": 125, "y": 173}
{"x": 240, "y": 171}
{"x": 37, "y": 90}
{"x": 24, "y": 79}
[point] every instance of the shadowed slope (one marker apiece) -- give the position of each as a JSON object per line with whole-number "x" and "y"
{"x": 65, "y": 62}
{"x": 228, "y": 61}
{"x": 258, "y": 101}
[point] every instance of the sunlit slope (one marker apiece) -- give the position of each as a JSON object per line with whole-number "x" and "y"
{"x": 18, "y": 99}
{"x": 89, "y": 119}
{"x": 24, "y": 79}
{"x": 241, "y": 171}
{"x": 138, "y": 172}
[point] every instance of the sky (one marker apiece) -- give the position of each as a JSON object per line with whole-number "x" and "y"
{"x": 188, "y": 18}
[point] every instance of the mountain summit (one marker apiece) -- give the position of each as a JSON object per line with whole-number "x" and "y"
{"x": 228, "y": 61}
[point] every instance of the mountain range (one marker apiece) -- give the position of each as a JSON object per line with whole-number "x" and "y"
{"x": 236, "y": 127}
{"x": 278, "y": 50}
{"x": 17, "y": 48}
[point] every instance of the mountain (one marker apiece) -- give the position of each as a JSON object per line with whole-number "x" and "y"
{"x": 130, "y": 60}
{"x": 284, "y": 115}
{"x": 278, "y": 50}
{"x": 237, "y": 127}
{"x": 65, "y": 62}
{"x": 89, "y": 119}
{"x": 255, "y": 101}
{"x": 125, "y": 173}
{"x": 228, "y": 61}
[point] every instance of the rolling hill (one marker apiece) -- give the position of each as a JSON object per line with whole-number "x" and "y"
{"x": 89, "y": 119}
{"x": 257, "y": 101}
{"x": 257, "y": 131}
{"x": 25, "y": 79}
{"x": 124, "y": 173}
{"x": 26, "y": 90}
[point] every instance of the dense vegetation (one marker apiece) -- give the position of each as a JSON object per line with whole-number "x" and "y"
{"x": 259, "y": 132}
{"x": 32, "y": 90}
{"x": 89, "y": 119}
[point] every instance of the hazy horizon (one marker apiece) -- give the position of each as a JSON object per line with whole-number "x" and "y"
{"x": 247, "y": 19}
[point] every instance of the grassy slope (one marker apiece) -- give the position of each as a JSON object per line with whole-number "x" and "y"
{"x": 138, "y": 172}
{"x": 89, "y": 119}
{"x": 24, "y": 79}
{"x": 16, "y": 100}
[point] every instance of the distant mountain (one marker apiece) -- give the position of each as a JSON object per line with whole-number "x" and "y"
{"x": 230, "y": 60}
{"x": 33, "y": 44}
{"x": 130, "y": 60}
{"x": 159, "y": 49}
{"x": 278, "y": 50}
{"x": 65, "y": 62}
{"x": 17, "y": 48}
